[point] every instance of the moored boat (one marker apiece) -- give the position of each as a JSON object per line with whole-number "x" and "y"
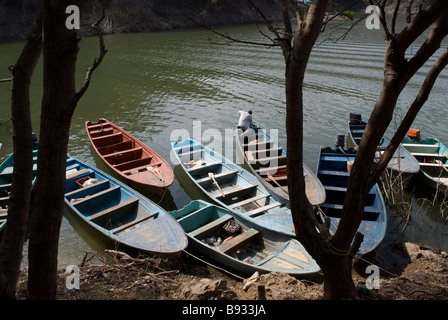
{"x": 229, "y": 185}
{"x": 432, "y": 156}
{"x": 266, "y": 159}
{"x": 240, "y": 246}
{"x": 120, "y": 213}
{"x": 332, "y": 170}
{"x": 402, "y": 164}
{"x": 129, "y": 157}
{"x": 6, "y": 171}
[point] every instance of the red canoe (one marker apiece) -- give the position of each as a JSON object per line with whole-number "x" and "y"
{"x": 129, "y": 157}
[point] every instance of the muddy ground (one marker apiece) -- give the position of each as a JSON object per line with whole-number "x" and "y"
{"x": 419, "y": 273}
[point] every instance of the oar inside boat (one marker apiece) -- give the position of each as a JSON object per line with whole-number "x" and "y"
{"x": 212, "y": 176}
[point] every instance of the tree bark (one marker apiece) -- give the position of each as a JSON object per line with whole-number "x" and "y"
{"x": 60, "y": 48}
{"x": 19, "y": 203}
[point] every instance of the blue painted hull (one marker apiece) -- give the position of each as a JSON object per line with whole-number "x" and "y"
{"x": 246, "y": 251}
{"x": 237, "y": 190}
{"x": 6, "y": 170}
{"x": 332, "y": 172}
{"x": 120, "y": 213}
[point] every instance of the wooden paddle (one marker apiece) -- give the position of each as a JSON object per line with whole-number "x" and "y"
{"x": 278, "y": 184}
{"x": 212, "y": 176}
{"x": 156, "y": 172}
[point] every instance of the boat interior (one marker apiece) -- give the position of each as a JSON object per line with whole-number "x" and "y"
{"x": 225, "y": 183}
{"x": 119, "y": 150}
{"x": 213, "y": 226}
{"x": 333, "y": 173}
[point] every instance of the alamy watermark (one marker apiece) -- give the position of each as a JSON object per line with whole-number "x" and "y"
{"x": 72, "y": 281}
{"x": 73, "y": 20}
{"x": 373, "y": 21}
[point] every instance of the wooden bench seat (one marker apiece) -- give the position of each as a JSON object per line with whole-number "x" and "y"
{"x": 210, "y": 227}
{"x": 263, "y": 209}
{"x": 112, "y": 210}
{"x": 238, "y": 241}
{"x": 250, "y": 200}
{"x": 132, "y": 223}
{"x": 75, "y": 174}
{"x": 269, "y": 170}
{"x": 96, "y": 195}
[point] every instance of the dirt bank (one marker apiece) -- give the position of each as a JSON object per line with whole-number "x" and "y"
{"x": 419, "y": 273}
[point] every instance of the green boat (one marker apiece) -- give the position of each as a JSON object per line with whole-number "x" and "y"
{"x": 432, "y": 156}
{"x": 6, "y": 170}
{"x": 239, "y": 245}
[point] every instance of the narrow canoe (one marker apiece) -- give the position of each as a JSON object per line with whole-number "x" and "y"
{"x": 266, "y": 159}
{"x": 221, "y": 236}
{"x": 432, "y": 156}
{"x": 235, "y": 189}
{"x": 402, "y": 163}
{"x": 6, "y": 171}
{"x": 332, "y": 171}
{"x": 120, "y": 213}
{"x": 129, "y": 157}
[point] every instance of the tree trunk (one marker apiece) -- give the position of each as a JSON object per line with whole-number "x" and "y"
{"x": 58, "y": 103}
{"x": 18, "y": 210}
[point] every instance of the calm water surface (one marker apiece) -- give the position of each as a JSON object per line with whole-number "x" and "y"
{"x": 152, "y": 84}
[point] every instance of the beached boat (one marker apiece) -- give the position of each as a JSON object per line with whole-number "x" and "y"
{"x": 332, "y": 170}
{"x": 266, "y": 159}
{"x": 432, "y": 156}
{"x": 240, "y": 246}
{"x": 129, "y": 157}
{"x": 6, "y": 170}
{"x": 229, "y": 185}
{"x": 120, "y": 213}
{"x": 402, "y": 163}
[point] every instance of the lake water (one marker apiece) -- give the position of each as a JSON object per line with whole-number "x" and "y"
{"x": 153, "y": 84}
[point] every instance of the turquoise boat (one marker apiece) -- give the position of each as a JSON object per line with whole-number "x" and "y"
{"x": 120, "y": 213}
{"x": 242, "y": 247}
{"x": 432, "y": 156}
{"x": 230, "y": 186}
{"x": 402, "y": 164}
{"x": 6, "y": 170}
{"x": 265, "y": 158}
{"x": 332, "y": 171}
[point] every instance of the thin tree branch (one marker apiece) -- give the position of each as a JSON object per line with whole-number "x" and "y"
{"x": 395, "y": 14}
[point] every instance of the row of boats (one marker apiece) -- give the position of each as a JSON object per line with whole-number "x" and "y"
{"x": 243, "y": 221}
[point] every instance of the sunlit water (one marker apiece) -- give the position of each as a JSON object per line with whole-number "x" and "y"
{"x": 154, "y": 83}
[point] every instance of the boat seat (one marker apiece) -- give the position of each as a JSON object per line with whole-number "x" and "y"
{"x": 250, "y": 200}
{"x": 238, "y": 241}
{"x": 132, "y": 223}
{"x": 218, "y": 177}
{"x": 129, "y": 171}
{"x": 4, "y": 186}
{"x": 3, "y": 213}
{"x": 96, "y": 195}
{"x": 210, "y": 227}
{"x": 424, "y": 164}
{"x": 268, "y": 160}
{"x": 131, "y": 164}
{"x": 277, "y": 151}
{"x": 334, "y": 172}
{"x": 4, "y": 201}
{"x": 190, "y": 153}
{"x": 76, "y": 174}
{"x": 434, "y": 155}
{"x": 235, "y": 191}
{"x": 106, "y": 130}
{"x": 123, "y": 156}
{"x": 83, "y": 190}
{"x": 208, "y": 167}
{"x": 113, "y": 210}
{"x": 261, "y": 210}
{"x": 98, "y": 125}
{"x": 266, "y": 144}
{"x": 269, "y": 170}
{"x": 125, "y": 145}
{"x": 107, "y": 140}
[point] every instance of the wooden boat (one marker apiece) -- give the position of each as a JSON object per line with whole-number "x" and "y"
{"x": 221, "y": 236}
{"x": 402, "y": 164}
{"x": 230, "y": 186}
{"x": 332, "y": 170}
{"x": 266, "y": 159}
{"x": 432, "y": 156}
{"x": 129, "y": 157}
{"x": 6, "y": 171}
{"x": 120, "y": 213}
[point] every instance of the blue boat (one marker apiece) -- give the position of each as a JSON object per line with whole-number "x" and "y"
{"x": 402, "y": 164}
{"x": 265, "y": 158}
{"x": 120, "y": 213}
{"x": 432, "y": 156}
{"x": 220, "y": 235}
{"x": 230, "y": 186}
{"x": 332, "y": 170}
{"x": 6, "y": 170}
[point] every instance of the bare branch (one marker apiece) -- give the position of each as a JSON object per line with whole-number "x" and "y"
{"x": 394, "y": 17}
{"x": 97, "y": 61}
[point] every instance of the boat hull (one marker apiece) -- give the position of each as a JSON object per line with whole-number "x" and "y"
{"x": 120, "y": 213}
{"x": 129, "y": 157}
{"x": 248, "y": 248}
{"x": 333, "y": 172}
